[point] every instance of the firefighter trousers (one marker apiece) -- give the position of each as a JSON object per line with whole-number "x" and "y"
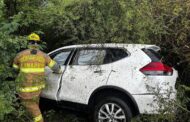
{"x": 31, "y": 102}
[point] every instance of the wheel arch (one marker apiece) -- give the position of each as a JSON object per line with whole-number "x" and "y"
{"x": 114, "y": 89}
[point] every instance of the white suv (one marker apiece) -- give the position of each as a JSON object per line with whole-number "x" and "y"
{"x": 109, "y": 81}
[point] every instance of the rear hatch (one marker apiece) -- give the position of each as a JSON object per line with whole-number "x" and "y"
{"x": 156, "y": 67}
{"x": 158, "y": 74}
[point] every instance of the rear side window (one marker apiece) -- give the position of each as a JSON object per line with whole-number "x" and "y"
{"x": 90, "y": 57}
{"x": 115, "y": 54}
{"x": 155, "y": 56}
{"x": 99, "y": 56}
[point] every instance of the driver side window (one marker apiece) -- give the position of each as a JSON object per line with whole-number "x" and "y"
{"x": 61, "y": 57}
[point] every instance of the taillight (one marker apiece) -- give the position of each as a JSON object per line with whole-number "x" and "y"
{"x": 156, "y": 68}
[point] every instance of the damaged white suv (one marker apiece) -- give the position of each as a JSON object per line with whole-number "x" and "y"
{"x": 108, "y": 81}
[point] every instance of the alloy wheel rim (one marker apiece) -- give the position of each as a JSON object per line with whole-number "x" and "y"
{"x": 111, "y": 112}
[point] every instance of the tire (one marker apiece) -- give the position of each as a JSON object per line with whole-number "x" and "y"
{"x": 120, "y": 109}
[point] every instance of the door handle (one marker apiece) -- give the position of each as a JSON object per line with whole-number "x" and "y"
{"x": 98, "y": 71}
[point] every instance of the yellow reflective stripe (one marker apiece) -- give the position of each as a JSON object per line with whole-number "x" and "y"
{"x": 31, "y": 89}
{"x": 38, "y": 118}
{"x": 52, "y": 63}
{"x": 32, "y": 70}
{"x": 15, "y": 66}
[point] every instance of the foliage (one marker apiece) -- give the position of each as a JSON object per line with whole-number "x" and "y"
{"x": 97, "y": 21}
{"x": 64, "y": 22}
{"x": 9, "y": 46}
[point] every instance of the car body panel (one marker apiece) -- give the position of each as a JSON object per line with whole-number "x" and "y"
{"x": 126, "y": 73}
{"x": 52, "y": 83}
{"x": 79, "y": 82}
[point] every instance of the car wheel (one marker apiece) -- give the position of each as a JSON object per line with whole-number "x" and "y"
{"x": 111, "y": 109}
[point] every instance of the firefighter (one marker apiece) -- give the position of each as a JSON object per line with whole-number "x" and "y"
{"x": 31, "y": 78}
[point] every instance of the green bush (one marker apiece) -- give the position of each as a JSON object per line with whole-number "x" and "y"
{"x": 63, "y": 22}
{"x": 9, "y": 46}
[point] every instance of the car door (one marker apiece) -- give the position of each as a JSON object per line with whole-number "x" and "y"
{"x": 86, "y": 72}
{"x": 53, "y": 80}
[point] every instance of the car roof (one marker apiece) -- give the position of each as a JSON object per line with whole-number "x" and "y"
{"x": 111, "y": 45}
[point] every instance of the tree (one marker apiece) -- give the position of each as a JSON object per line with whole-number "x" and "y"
{"x": 65, "y": 22}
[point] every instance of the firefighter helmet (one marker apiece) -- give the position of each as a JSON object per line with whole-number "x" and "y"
{"x": 34, "y": 37}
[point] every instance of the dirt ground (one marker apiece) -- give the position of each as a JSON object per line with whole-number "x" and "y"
{"x": 63, "y": 116}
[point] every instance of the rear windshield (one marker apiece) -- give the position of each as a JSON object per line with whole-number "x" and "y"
{"x": 155, "y": 56}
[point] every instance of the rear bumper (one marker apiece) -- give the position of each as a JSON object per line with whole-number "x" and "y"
{"x": 158, "y": 87}
{"x": 152, "y": 104}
